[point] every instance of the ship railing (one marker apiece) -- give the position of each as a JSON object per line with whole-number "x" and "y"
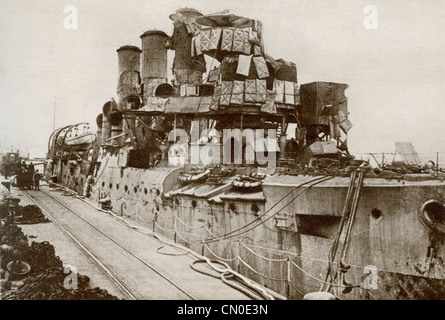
{"x": 287, "y": 282}
{"x": 138, "y": 209}
{"x": 240, "y": 262}
{"x": 181, "y": 237}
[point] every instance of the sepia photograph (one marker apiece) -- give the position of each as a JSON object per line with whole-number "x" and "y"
{"x": 218, "y": 150}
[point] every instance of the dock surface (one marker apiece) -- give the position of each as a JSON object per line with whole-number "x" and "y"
{"x": 128, "y": 263}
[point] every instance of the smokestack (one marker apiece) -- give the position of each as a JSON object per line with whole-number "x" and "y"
{"x": 187, "y": 69}
{"x": 129, "y": 58}
{"x": 99, "y": 129}
{"x": 154, "y": 60}
{"x": 106, "y": 121}
{"x": 129, "y": 65}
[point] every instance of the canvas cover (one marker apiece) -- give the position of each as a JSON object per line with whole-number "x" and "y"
{"x": 408, "y": 153}
{"x": 182, "y": 105}
{"x": 323, "y": 148}
{"x": 225, "y": 19}
{"x": 244, "y": 64}
{"x": 346, "y": 125}
{"x": 286, "y": 71}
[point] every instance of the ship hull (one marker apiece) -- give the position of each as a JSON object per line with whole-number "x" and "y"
{"x": 281, "y": 236}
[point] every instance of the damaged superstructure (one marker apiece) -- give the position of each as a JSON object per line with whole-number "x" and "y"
{"x": 236, "y": 160}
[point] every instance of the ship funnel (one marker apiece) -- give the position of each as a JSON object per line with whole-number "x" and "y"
{"x": 99, "y": 123}
{"x": 108, "y": 107}
{"x": 129, "y": 66}
{"x": 129, "y": 58}
{"x": 154, "y": 60}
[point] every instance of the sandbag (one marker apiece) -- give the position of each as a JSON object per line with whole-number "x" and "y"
{"x": 227, "y": 39}
{"x": 261, "y": 91}
{"x": 226, "y": 92}
{"x": 289, "y": 94}
{"x": 237, "y": 97}
{"x": 261, "y": 67}
{"x": 250, "y": 91}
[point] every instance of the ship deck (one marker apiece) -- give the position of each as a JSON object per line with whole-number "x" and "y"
{"x": 403, "y": 181}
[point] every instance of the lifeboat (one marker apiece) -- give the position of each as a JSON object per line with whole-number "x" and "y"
{"x": 251, "y": 183}
{"x": 86, "y": 138}
{"x": 78, "y": 135}
{"x": 194, "y": 176}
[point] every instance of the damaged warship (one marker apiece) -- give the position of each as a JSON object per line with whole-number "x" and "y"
{"x": 237, "y": 160}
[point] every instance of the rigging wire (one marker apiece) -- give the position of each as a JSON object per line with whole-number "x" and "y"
{"x": 231, "y": 234}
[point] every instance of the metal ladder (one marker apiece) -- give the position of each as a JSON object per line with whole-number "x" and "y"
{"x": 343, "y": 236}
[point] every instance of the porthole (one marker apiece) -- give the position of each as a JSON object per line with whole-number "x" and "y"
{"x": 255, "y": 209}
{"x": 376, "y": 213}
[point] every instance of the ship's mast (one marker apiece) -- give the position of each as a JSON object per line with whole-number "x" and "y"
{"x": 54, "y": 115}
